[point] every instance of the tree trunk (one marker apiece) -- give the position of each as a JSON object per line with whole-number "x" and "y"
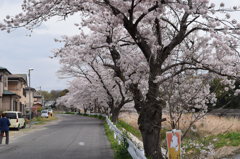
{"x": 150, "y": 118}
{"x": 85, "y": 110}
{"x": 115, "y": 114}
{"x": 150, "y": 126}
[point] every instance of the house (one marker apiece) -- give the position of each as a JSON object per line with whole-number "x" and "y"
{"x": 30, "y": 96}
{"x": 15, "y": 95}
{"x": 8, "y": 100}
{"x": 17, "y": 84}
{"x": 38, "y": 99}
{"x": 37, "y": 103}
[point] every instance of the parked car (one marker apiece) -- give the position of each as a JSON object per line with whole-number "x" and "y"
{"x": 16, "y": 119}
{"x": 44, "y": 113}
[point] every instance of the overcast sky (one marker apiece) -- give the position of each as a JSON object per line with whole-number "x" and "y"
{"x": 19, "y": 52}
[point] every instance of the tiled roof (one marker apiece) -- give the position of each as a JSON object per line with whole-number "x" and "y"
{"x": 18, "y": 77}
{"x": 6, "y": 92}
{"x": 3, "y": 68}
{"x": 32, "y": 89}
{"x": 24, "y": 76}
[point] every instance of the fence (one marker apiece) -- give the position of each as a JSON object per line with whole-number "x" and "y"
{"x": 135, "y": 147}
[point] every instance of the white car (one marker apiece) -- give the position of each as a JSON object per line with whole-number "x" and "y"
{"x": 44, "y": 113}
{"x": 16, "y": 119}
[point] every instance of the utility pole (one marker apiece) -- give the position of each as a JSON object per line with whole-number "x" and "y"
{"x": 29, "y": 95}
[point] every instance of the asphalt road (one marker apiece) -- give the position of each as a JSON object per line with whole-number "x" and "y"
{"x": 73, "y": 137}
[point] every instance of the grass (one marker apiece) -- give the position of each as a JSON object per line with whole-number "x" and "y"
{"x": 226, "y": 139}
{"x": 120, "y": 151}
{"x": 59, "y": 112}
{"x": 121, "y": 124}
{"x": 209, "y": 125}
{"x": 215, "y": 131}
{"x": 193, "y": 147}
{"x": 128, "y": 121}
{"x": 94, "y": 116}
{"x": 40, "y": 120}
{"x": 70, "y": 113}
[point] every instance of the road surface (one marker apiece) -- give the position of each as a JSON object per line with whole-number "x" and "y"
{"x": 74, "y": 137}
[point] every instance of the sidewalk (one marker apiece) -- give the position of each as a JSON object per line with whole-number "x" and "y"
{"x": 14, "y": 134}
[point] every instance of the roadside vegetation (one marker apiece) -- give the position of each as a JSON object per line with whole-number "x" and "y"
{"x": 40, "y": 120}
{"x": 210, "y": 144}
{"x": 70, "y": 113}
{"x": 120, "y": 150}
{"x": 94, "y": 116}
{"x": 208, "y": 136}
{"x": 121, "y": 124}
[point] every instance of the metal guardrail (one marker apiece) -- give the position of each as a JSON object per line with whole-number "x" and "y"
{"x": 134, "y": 150}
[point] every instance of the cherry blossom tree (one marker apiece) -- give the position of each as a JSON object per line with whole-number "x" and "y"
{"x": 172, "y": 36}
{"x": 86, "y": 96}
{"x": 79, "y": 58}
{"x": 188, "y": 95}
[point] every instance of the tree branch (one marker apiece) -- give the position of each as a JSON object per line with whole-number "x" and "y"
{"x": 144, "y": 14}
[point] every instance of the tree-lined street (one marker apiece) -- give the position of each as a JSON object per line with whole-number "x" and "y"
{"x": 172, "y": 62}
{"x": 72, "y": 137}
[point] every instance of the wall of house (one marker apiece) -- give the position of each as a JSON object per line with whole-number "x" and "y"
{"x": 17, "y": 87}
{"x": 23, "y": 95}
{"x": 31, "y": 98}
{"x": 1, "y": 106}
{"x": 5, "y": 82}
{"x": 1, "y": 91}
{"x": 1, "y": 86}
{"x": 6, "y": 103}
{"x": 23, "y": 99}
{"x": 10, "y": 103}
{"x": 13, "y": 86}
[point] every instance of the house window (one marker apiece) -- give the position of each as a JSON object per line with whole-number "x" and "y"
{"x": 24, "y": 92}
{"x": 21, "y": 107}
{"x": 0, "y": 78}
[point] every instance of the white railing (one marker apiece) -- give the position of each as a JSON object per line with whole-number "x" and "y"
{"x": 135, "y": 147}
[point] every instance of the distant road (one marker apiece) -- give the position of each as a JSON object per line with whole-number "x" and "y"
{"x": 74, "y": 137}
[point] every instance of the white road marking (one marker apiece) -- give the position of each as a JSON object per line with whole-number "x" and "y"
{"x": 81, "y": 143}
